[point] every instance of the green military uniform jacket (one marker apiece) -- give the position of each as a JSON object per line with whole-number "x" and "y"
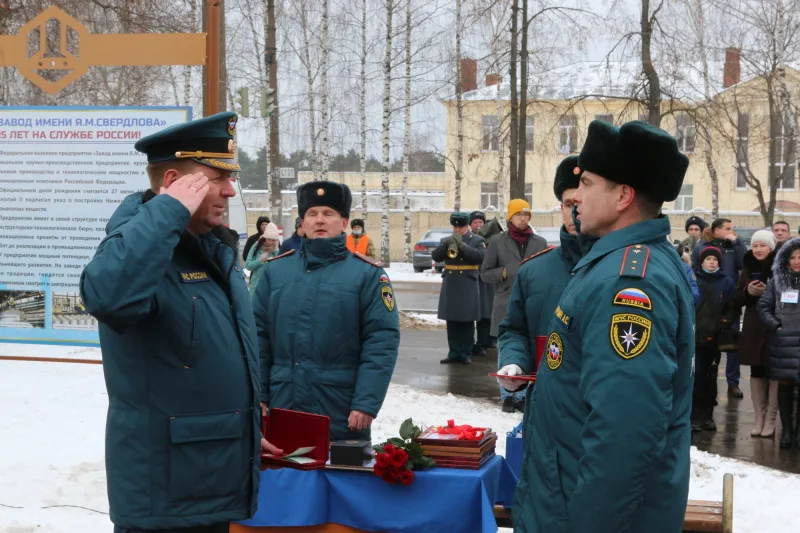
{"x": 609, "y": 425}
{"x": 329, "y": 333}
{"x": 180, "y": 359}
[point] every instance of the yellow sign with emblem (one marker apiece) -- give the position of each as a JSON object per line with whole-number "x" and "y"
{"x": 388, "y": 297}
{"x": 630, "y": 334}
{"x": 555, "y": 351}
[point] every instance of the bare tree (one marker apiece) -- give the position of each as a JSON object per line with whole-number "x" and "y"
{"x": 407, "y": 140}
{"x": 653, "y": 87}
{"x": 312, "y": 114}
{"x": 324, "y": 92}
{"x": 387, "y": 111}
{"x": 362, "y": 104}
{"x": 459, "y": 112}
{"x": 518, "y": 186}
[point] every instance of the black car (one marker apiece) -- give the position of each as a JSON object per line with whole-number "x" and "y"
{"x": 421, "y": 256}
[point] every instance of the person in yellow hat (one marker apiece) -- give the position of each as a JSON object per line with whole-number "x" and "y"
{"x": 500, "y": 267}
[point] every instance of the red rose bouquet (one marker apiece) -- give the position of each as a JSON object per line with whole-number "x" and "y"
{"x": 398, "y": 457}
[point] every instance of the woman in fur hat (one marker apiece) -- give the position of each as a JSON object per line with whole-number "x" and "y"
{"x": 779, "y": 311}
{"x": 756, "y": 273}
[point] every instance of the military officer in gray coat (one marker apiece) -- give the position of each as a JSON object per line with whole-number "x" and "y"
{"x": 483, "y": 327}
{"x": 460, "y": 296}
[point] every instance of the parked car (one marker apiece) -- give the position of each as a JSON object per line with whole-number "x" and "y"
{"x": 745, "y": 234}
{"x": 421, "y": 256}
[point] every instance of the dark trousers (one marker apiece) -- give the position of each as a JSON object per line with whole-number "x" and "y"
{"x": 460, "y": 339}
{"x": 704, "y": 397}
{"x": 216, "y": 528}
{"x": 483, "y": 327}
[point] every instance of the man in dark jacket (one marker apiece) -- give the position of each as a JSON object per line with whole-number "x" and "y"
{"x": 460, "y": 295}
{"x": 180, "y": 356}
{"x": 261, "y": 225}
{"x": 483, "y": 327}
{"x": 721, "y": 235}
{"x": 328, "y": 326}
{"x": 293, "y": 242}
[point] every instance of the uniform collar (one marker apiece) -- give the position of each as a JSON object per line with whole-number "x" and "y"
{"x": 321, "y": 252}
{"x": 646, "y": 231}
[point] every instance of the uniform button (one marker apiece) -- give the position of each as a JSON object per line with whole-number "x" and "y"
{"x": 237, "y": 269}
{"x": 308, "y": 271}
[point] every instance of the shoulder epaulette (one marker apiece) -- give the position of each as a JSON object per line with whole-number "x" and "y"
{"x": 537, "y": 254}
{"x": 284, "y": 254}
{"x": 634, "y": 261}
{"x": 369, "y": 260}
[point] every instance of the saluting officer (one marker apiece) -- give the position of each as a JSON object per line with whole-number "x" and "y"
{"x": 610, "y": 418}
{"x": 180, "y": 354}
{"x": 328, "y": 326}
{"x": 460, "y": 295}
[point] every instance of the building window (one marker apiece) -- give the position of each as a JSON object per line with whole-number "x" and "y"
{"x": 605, "y": 118}
{"x": 529, "y": 193}
{"x": 490, "y": 133}
{"x": 785, "y": 155}
{"x": 742, "y": 149}
{"x": 568, "y": 135}
{"x": 530, "y": 122}
{"x": 489, "y": 196}
{"x": 686, "y": 133}
{"x": 684, "y": 200}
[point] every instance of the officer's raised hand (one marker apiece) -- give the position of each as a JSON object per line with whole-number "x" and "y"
{"x": 190, "y": 190}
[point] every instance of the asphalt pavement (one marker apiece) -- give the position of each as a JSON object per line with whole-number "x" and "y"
{"x": 419, "y": 296}
{"x": 418, "y": 366}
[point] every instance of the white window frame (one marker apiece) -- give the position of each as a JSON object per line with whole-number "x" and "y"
{"x": 746, "y": 140}
{"x": 568, "y": 134}
{"x": 683, "y": 195}
{"x": 489, "y": 198}
{"x": 490, "y": 133}
{"x": 782, "y": 164}
{"x": 530, "y": 138}
{"x": 529, "y": 193}
{"x": 685, "y": 129}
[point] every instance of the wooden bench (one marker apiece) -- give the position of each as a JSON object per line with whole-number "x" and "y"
{"x": 701, "y": 516}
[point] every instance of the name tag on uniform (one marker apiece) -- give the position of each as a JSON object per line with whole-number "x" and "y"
{"x": 194, "y": 277}
{"x": 789, "y": 297}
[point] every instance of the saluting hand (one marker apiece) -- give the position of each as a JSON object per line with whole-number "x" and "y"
{"x": 188, "y": 190}
{"x": 358, "y": 421}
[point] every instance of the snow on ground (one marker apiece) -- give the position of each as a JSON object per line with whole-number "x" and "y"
{"x": 405, "y": 272}
{"x": 51, "y": 450}
{"x": 428, "y": 318}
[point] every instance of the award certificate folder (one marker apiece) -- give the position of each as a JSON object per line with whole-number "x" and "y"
{"x": 303, "y": 437}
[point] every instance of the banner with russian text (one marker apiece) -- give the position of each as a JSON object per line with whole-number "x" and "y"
{"x": 63, "y": 172}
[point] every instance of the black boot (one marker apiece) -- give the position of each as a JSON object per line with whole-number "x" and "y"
{"x": 785, "y": 408}
{"x": 508, "y": 404}
{"x": 797, "y": 424}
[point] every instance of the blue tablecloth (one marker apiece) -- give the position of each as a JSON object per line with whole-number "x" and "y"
{"x": 440, "y": 499}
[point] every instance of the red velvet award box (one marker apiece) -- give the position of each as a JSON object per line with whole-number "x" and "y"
{"x": 291, "y": 431}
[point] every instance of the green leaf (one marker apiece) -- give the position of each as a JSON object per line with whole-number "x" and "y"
{"x": 426, "y": 462}
{"x": 407, "y": 429}
{"x": 415, "y": 450}
{"x": 378, "y": 448}
{"x": 396, "y": 442}
{"x": 409, "y": 465}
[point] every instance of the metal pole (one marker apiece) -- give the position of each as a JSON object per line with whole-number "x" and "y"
{"x": 211, "y": 70}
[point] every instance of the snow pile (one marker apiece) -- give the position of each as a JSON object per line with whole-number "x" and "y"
{"x": 421, "y": 321}
{"x": 405, "y": 272}
{"x": 51, "y": 451}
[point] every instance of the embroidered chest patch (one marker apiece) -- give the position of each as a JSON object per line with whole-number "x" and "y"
{"x": 194, "y": 277}
{"x": 630, "y": 334}
{"x": 634, "y": 298}
{"x": 555, "y": 351}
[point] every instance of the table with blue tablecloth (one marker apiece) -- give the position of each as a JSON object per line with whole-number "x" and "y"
{"x": 439, "y": 499}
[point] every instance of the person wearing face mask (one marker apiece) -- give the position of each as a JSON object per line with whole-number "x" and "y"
{"x": 779, "y": 311}
{"x": 358, "y": 241}
{"x": 694, "y": 229}
{"x": 756, "y": 273}
{"x": 714, "y": 312}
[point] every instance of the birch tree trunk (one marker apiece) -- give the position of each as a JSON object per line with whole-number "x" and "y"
{"x": 653, "y": 84}
{"x": 518, "y": 185}
{"x": 312, "y": 113}
{"x": 708, "y": 150}
{"x": 387, "y": 110}
{"x": 187, "y": 70}
{"x": 502, "y": 178}
{"x": 266, "y": 119}
{"x": 324, "y": 105}
{"x": 363, "y": 109}
{"x": 459, "y": 112}
{"x": 407, "y": 141}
